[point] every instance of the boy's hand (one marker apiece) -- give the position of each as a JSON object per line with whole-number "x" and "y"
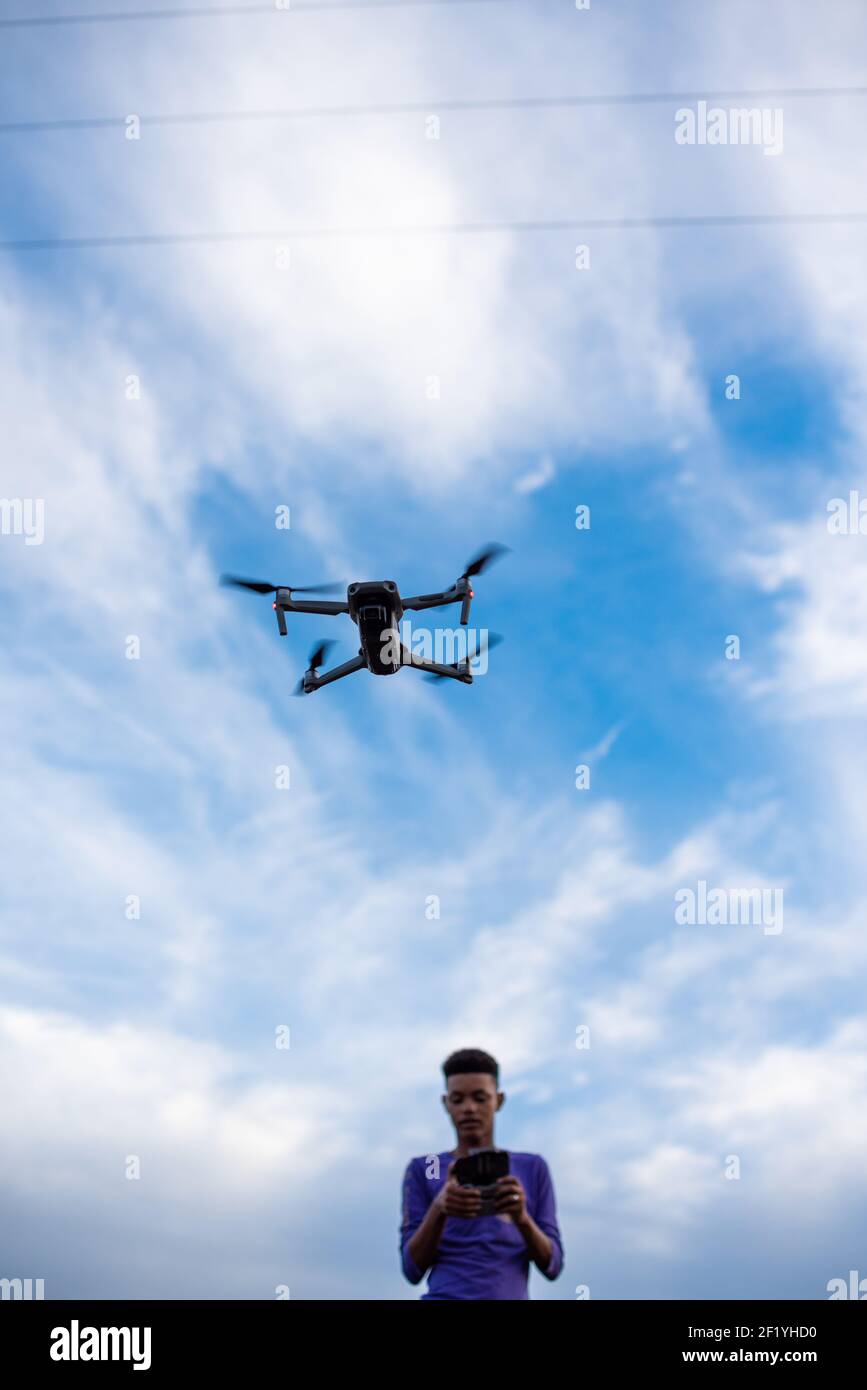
{"x": 454, "y": 1200}
{"x": 511, "y": 1200}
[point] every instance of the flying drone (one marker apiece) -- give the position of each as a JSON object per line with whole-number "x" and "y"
{"x": 376, "y": 607}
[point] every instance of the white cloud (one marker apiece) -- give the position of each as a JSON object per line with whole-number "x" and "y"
{"x": 601, "y": 749}
{"x": 436, "y": 358}
{"x": 104, "y": 1092}
{"x": 536, "y": 478}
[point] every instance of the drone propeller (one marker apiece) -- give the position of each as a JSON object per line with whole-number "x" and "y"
{"x": 261, "y": 586}
{"x": 317, "y": 656}
{"x": 493, "y": 640}
{"x": 484, "y": 559}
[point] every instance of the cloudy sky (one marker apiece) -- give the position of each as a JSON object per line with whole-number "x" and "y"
{"x": 411, "y": 389}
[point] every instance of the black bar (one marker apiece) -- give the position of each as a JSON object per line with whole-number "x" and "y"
{"x": 223, "y": 1337}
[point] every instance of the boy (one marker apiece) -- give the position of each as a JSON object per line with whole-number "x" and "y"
{"x": 468, "y": 1255}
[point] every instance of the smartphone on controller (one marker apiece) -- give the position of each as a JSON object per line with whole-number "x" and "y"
{"x": 482, "y": 1168}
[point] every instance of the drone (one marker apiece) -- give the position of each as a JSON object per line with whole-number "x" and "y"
{"x": 376, "y": 607}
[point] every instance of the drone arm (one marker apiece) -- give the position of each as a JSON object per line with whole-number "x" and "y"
{"x": 420, "y": 601}
{"x": 312, "y": 606}
{"x": 313, "y": 682}
{"x": 459, "y": 671}
{"x": 459, "y": 593}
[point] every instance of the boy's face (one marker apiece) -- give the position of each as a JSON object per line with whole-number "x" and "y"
{"x": 472, "y": 1100}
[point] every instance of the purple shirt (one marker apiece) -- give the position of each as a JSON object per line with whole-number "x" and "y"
{"x": 483, "y": 1257}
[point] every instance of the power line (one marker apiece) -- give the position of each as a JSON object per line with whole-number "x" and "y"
{"x": 572, "y": 224}
{"x": 416, "y": 107}
{"x": 210, "y": 11}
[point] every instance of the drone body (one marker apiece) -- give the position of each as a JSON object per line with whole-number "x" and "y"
{"x": 376, "y": 608}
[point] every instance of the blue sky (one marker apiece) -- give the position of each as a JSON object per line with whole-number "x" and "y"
{"x": 305, "y": 387}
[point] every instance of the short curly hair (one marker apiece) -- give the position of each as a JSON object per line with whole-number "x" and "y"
{"x": 471, "y": 1059}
